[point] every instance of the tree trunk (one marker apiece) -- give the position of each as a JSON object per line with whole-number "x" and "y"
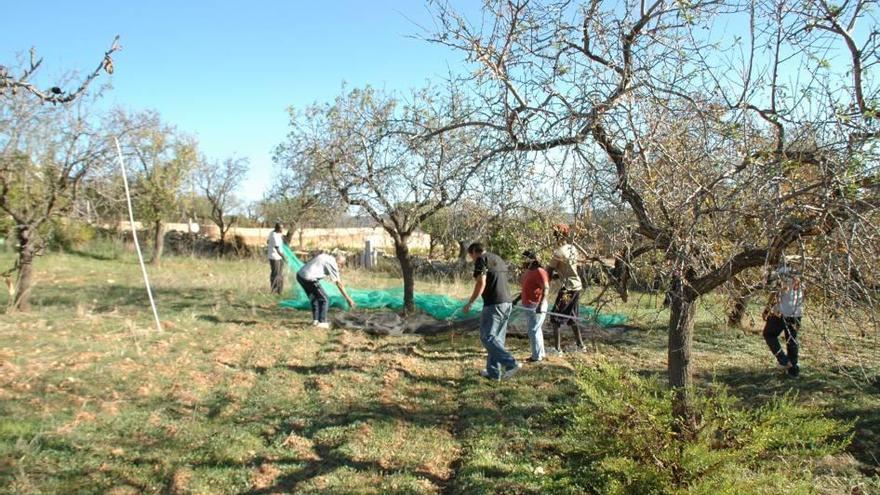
{"x": 462, "y": 251}
{"x": 432, "y": 245}
{"x": 681, "y": 330}
{"x": 401, "y": 249}
{"x": 24, "y": 280}
{"x": 222, "y": 242}
{"x": 158, "y": 242}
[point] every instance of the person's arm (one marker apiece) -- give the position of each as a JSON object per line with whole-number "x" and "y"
{"x": 479, "y": 286}
{"x": 545, "y": 279}
{"x": 543, "y": 297}
{"x": 344, "y": 293}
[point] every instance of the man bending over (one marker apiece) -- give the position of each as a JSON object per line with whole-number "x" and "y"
{"x": 309, "y": 278}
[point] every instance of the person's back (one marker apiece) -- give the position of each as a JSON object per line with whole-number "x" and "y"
{"x": 497, "y": 289}
{"x": 533, "y": 283}
{"x": 565, "y": 262}
{"x": 319, "y": 267}
{"x": 490, "y": 283}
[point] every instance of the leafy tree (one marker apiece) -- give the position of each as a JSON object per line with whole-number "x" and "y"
{"x": 163, "y": 159}
{"x": 367, "y": 147}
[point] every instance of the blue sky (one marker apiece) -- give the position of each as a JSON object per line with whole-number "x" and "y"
{"x": 226, "y": 71}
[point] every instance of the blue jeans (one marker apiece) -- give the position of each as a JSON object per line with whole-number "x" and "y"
{"x": 317, "y": 298}
{"x": 493, "y": 331}
{"x": 534, "y": 322}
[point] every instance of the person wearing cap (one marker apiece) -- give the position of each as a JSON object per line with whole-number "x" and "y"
{"x": 535, "y": 286}
{"x": 783, "y": 315}
{"x": 566, "y": 309}
{"x": 276, "y": 259}
{"x": 309, "y": 278}
{"x": 490, "y": 283}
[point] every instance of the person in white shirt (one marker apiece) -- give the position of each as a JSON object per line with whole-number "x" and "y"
{"x": 276, "y": 260}
{"x": 566, "y": 309}
{"x": 783, "y": 316}
{"x": 309, "y": 278}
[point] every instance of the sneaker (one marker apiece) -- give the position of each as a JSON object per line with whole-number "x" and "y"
{"x": 315, "y": 323}
{"x": 794, "y": 371}
{"x": 323, "y": 324}
{"x": 512, "y": 371}
{"x": 554, "y": 352}
{"x": 484, "y": 374}
{"x": 533, "y": 360}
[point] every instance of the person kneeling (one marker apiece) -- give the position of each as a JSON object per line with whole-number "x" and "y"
{"x": 309, "y": 278}
{"x": 490, "y": 275}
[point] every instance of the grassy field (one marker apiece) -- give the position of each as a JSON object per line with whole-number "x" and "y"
{"x": 237, "y": 396}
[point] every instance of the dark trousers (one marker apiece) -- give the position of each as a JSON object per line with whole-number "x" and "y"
{"x": 568, "y": 303}
{"x": 276, "y": 276}
{"x": 777, "y": 325}
{"x": 317, "y": 296}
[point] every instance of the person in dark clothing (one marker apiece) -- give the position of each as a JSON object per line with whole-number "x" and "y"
{"x": 276, "y": 260}
{"x": 490, "y": 276}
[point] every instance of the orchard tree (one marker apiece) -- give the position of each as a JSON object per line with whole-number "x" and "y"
{"x": 162, "y": 158}
{"x": 728, "y": 151}
{"x": 368, "y": 147}
{"x": 217, "y": 182}
{"x": 45, "y": 152}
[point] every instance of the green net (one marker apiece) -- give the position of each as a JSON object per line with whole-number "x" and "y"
{"x": 439, "y": 306}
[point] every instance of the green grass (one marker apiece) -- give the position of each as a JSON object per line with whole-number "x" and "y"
{"x": 238, "y": 396}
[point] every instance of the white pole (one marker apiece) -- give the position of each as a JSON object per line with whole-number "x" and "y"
{"x": 137, "y": 245}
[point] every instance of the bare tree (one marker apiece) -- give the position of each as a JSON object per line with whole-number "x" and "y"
{"x": 699, "y": 138}
{"x": 45, "y": 152}
{"x": 22, "y": 82}
{"x": 218, "y": 182}
{"x": 366, "y": 145}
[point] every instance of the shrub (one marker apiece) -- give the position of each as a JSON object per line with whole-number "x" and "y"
{"x": 69, "y": 234}
{"x": 622, "y": 440}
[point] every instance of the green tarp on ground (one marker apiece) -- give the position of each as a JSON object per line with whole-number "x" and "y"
{"x": 439, "y": 306}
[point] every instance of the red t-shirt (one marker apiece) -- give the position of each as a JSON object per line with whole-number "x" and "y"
{"x": 533, "y": 283}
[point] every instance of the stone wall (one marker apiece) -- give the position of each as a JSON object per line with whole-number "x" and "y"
{"x": 348, "y": 238}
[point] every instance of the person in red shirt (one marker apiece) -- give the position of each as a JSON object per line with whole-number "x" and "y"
{"x": 535, "y": 285}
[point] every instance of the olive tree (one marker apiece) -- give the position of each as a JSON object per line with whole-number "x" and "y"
{"x": 367, "y": 145}
{"x": 727, "y": 150}
{"x": 162, "y": 159}
{"x": 45, "y": 152}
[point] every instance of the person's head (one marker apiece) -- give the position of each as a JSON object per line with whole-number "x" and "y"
{"x": 475, "y": 250}
{"x": 340, "y": 260}
{"x": 530, "y": 260}
{"x": 561, "y": 231}
{"x": 278, "y": 227}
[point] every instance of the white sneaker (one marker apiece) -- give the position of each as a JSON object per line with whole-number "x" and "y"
{"x": 315, "y": 323}
{"x": 512, "y": 371}
{"x": 484, "y": 373}
{"x": 323, "y": 324}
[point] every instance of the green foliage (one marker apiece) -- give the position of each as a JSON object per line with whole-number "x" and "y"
{"x": 624, "y": 440}
{"x": 70, "y": 235}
